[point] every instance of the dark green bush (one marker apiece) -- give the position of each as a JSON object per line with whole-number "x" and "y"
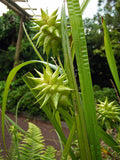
{"x": 19, "y": 92}
{"x": 96, "y": 88}
{"x": 105, "y": 92}
{"x": 29, "y": 106}
{"x": 17, "y": 83}
{"x": 8, "y": 42}
{"x": 2, "y": 86}
{"x": 14, "y": 96}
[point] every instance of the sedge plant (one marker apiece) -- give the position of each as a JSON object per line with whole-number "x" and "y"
{"x": 108, "y": 114}
{"x": 57, "y": 92}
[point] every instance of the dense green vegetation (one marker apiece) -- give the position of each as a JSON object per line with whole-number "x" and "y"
{"x": 8, "y": 42}
{"x": 94, "y": 34}
{"x": 94, "y": 37}
{"x": 20, "y": 92}
{"x": 92, "y": 113}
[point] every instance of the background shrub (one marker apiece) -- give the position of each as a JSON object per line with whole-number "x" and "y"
{"x": 2, "y": 86}
{"x": 101, "y": 94}
{"x": 20, "y": 92}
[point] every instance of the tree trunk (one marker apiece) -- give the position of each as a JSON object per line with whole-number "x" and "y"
{"x": 17, "y": 53}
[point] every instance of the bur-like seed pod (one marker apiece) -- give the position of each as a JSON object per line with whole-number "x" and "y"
{"x": 52, "y": 88}
{"x": 108, "y": 113}
{"x": 49, "y": 33}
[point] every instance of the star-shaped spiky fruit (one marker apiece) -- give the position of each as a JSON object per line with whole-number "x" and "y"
{"x": 53, "y": 88}
{"x": 49, "y": 32}
{"x": 108, "y": 113}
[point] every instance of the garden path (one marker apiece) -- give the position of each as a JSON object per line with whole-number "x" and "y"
{"x": 47, "y": 129}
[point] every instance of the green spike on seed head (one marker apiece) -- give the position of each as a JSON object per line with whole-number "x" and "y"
{"x": 49, "y": 33}
{"x": 52, "y": 88}
{"x": 108, "y": 113}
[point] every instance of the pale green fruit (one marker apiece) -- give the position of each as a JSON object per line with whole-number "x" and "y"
{"x": 108, "y": 113}
{"x": 36, "y": 36}
{"x": 47, "y": 42}
{"x": 44, "y": 28}
{"x": 52, "y": 20}
{"x": 40, "y": 38}
{"x": 49, "y": 33}
{"x": 52, "y": 88}
{"x": 39, "y": 22}
{"x": 44, "y": 15}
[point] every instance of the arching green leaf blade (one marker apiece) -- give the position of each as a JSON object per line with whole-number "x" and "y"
{"x": 8, "y": 83}
{"x": 110, "y": 56}
{"x": 85, "y": 77}
{"x": 79, "y": 117}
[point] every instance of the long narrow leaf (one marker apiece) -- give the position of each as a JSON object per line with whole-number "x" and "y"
{"x": 35, "y": 49}
{"x": 8, "y": 82}
{"x": 5, "y": 94}
{"x": 69, "y": 142}
{"x": 84, "y": 5}
{"x": 108, "y": 140}
{"x": 81, "y": 127}
{"x": 110, "y": 56}
{"x": 85, "y": 77}
{"x": 67, "y": 117}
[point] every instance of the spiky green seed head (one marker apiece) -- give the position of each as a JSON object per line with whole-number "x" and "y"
{"x": 49, "y": 32}
{"x": 108, "y": 113}
{"x": 52, "y": 88}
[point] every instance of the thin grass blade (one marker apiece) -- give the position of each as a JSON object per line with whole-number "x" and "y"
{"x": 5, "y": 94}
{"x": 8, "y": 83}
{"x": 67, "y": 117}
{"x": 35, "y": 49}
{"x": 110, "y": 56}
{"x": 69, "y": 142}
{"x": 81, "y": 126}
{"x": 85, "y": 77}
{"x": 19, "y": 128}
{"x": 108, "y": 140}
{"x": 84, "y": 5}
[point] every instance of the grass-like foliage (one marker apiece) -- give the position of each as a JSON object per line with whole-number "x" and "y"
{"x": 57, "y": 92}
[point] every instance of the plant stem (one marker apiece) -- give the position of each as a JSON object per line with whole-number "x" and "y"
{"x": 59, "y": 60}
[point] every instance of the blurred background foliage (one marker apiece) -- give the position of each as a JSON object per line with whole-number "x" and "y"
{"x": 101, "y": 75}
{"x": 8, "y": 38}
{"x": 110, "y": 10}
{"x": 94, "y": 34}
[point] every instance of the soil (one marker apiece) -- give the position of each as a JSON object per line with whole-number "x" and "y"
{"x": 47, "y": 130}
